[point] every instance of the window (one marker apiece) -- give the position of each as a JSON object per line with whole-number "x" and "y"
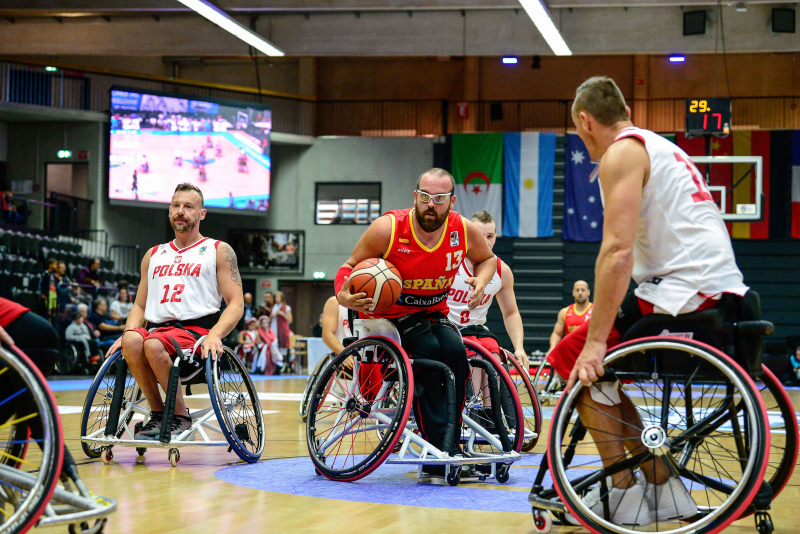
{"x": 348, "y": 203}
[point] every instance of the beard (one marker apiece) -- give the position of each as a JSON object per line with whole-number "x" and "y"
{"x": 188, "y": 226}
{"x": 430, "y": 225}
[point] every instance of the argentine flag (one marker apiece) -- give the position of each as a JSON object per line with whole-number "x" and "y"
{"x": 529, "y": 165}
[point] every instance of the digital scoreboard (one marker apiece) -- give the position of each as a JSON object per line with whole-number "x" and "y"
{"x": 708, "y": 116}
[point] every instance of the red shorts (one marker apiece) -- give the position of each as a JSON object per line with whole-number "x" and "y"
{"x": 10, "y": 311}
{"x": 163, "y": 334}
{"x": 564, "y": 355}
{"x": 488, "y": 343}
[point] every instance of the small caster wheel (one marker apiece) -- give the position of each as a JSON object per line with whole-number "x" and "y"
{"x": 454, "y": 476}
{"x": 141, "y": 450}
{"x": 107, "y": 456}
{"x": 542, "y": 522}
{"x": 764, "y": 523}
{"x": 502, "y": 473}
{"x": 174, "y": 457}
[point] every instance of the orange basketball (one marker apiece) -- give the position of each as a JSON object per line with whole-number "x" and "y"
{"x": 380, "y": 280}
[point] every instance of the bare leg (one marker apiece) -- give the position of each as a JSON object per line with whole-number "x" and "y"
{"x": 133, "y": 352}
{"x": 160, "y": 363}
{"x": 655, "y": 471}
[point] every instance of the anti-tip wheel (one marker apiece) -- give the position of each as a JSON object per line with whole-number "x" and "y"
{"x": 454, "y": 476}
{"x": 174, "y": 457}
{"x": 107, "y": 456}
{"x": 141, "y": 450}
{"x": 502, "y": 473}
{"x": 542, "y": 522}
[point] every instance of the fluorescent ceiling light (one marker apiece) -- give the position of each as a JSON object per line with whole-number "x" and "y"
{"x": 541, "y": 18}
{"x": 677, "y": 59}
{"x": 509, "y": 60}
{"x": 221, "y": 19}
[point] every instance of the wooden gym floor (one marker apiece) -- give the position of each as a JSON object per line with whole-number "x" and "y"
{"x": 201, "y": 495}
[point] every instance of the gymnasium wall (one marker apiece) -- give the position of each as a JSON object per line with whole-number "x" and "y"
{"x": 3, "y": 141}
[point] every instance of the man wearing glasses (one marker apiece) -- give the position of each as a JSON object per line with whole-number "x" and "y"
{"x": 427, "y": 244}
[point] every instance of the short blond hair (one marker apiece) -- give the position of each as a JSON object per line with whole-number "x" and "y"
{"x": 186, "y": 186}
{"x": 483, "y": 216}
{"x": 600, "y": 97}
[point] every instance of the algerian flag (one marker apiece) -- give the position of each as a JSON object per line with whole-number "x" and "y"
{"x": 478, "y": 171}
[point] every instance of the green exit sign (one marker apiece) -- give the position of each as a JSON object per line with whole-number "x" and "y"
{"x": 64, "y": 154}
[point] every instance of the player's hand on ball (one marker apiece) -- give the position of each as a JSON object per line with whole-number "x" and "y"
{"x": 212, "y": 346}
{"x": 589, "y": 365}
{"x": 357, "y": 302}
{"x": 477, "y": 291}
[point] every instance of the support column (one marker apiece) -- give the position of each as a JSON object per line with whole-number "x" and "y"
{"x": 641, "y": 84}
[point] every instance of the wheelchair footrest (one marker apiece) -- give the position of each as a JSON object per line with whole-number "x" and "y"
{"x": 114, "y": 442}
{"x": 508, "y": 457}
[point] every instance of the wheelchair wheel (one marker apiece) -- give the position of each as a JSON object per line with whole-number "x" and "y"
{"x": 311, "y": 383}
{"x": 688, "y": 410}
{"x": 783, "y": 429}
{"x": 98, "y": 403}
{"x": 531, "y": 410}
{"x": 350, "y": 435}
{"x": 67, "y": 359}
{"x": 236, "y": 404}
{"x": 30, "y": 425}
{"x": 482, "y": 410}
{"x": 551, "y": 387}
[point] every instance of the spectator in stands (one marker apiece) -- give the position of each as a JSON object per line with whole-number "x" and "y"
{"x": 62, "y": 286}
{"x": 10, "y": 213}
{"x": 121, "y": 307}
{"x": 48, "y": 290}
{"x": 249, "y": 308}
{"x": 316, "y": 330}
{"x": 281, "y": 318}
{"x": 78, "y": 295}
{"x": 89, "y": 275}
{"x": 795, "y": 360}
{"x": 78, "y": 332}
{"x": 269, "y": 302}
{"x": 109, "y": 329}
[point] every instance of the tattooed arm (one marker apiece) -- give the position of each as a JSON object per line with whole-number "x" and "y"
{"x": 230, "y": 285}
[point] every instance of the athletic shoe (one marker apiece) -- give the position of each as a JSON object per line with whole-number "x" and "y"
{"x": 627, "y": 506}
{"x": 152, "y": 430}
{"x": 180, "y": 424}
{"x": 669, "y": 501}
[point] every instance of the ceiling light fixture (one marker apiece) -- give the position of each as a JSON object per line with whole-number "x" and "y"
{"x": 541, "y": 18}
{"x": 223, "y": 20}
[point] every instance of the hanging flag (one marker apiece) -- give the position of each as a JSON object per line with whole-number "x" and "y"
{"x": 583, "y": 208}
{"x": 478, "y": 172}
{"x": 751, "y": 143}
{"x": 796, "y": 184}
{"x": 529, "y": 164}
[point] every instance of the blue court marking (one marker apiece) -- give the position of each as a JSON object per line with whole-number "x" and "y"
{"x": 389, "y": 484}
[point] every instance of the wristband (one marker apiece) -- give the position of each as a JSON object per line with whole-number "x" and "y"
{"x": 341, "y": 274}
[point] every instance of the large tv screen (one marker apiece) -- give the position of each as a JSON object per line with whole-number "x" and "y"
{"x": 159, "y": 140}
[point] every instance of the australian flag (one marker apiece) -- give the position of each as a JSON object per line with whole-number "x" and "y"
{"x": 583, "y": 208}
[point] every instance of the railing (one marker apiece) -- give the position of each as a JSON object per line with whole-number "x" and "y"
{"x": 125, "y": 258}
{"x": 404, "y": 118}
{"x": 93, "y": 243}
{"x": 69, "y": 214}
{"x": 25, "y": 83}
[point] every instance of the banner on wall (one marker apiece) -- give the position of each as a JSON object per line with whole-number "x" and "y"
{"x": 796, "y": 184}
{"x": 529, "y": 163}
{"x": 583, "y": 208}
{"x": 478, "y": 172}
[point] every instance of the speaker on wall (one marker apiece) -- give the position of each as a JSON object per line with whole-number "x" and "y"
{"x": 496, "y": 111}
{"x": 783, "y": 20}
{"x": 694, "y": 22}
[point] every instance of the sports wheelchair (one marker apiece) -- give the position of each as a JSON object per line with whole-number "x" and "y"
{"x": 698, "y": 396}
{"x": 553, "y": 387}
{"x": 39, "y": 482}
{"x": 355, "y": 424}
{"x": 114, "y": 398}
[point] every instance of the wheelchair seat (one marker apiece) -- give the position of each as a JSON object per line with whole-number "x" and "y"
{"x": 375, "y": 327}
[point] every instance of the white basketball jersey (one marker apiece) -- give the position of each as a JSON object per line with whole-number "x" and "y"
{"x": 182, "y": 284}
{"x": 460, "y": 293}
{"x": 682, "y": 247}
{"x": 343, "y": 326}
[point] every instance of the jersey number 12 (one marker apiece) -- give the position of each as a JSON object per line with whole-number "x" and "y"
{"x": 177, "y": 291}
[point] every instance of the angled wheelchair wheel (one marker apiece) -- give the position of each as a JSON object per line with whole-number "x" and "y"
{"x": 30, "y": 427}
{"x": 97, "y": 405}
{"x": 783, "y": 427}
{"x": 355, "y": 421}
{"x": 67, "y": 359}
{"x": 688, "y": 416}
{"x": 311, "y": 383}
{"x": 550, "y": 390}
{"x": 482, "y": 408}
{"x": 236, "y": 405}
{"x": 531, "y": 410}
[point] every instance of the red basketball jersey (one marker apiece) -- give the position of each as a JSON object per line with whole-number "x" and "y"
{"x": 573, "y": 319}
{"x": 427, "y": 273}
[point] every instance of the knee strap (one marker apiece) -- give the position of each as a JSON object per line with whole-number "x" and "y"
{"x": 606, "y": 393}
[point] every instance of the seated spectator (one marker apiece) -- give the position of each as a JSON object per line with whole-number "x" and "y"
{"x": 77, "y": 332}
{"x": 78, "y": 295}
{"x": 795, "y": 361}
{"x": 316, "y": 330}
{"x": 89, "y": 275}
{"x": 109, "y": 329}
{"x": 121, "y": 307}
{"x": 10, "y": 213}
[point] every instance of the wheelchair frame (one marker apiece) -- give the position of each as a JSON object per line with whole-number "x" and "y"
{"x": 107, "y": 436}
{"x": 383, "y": 330}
